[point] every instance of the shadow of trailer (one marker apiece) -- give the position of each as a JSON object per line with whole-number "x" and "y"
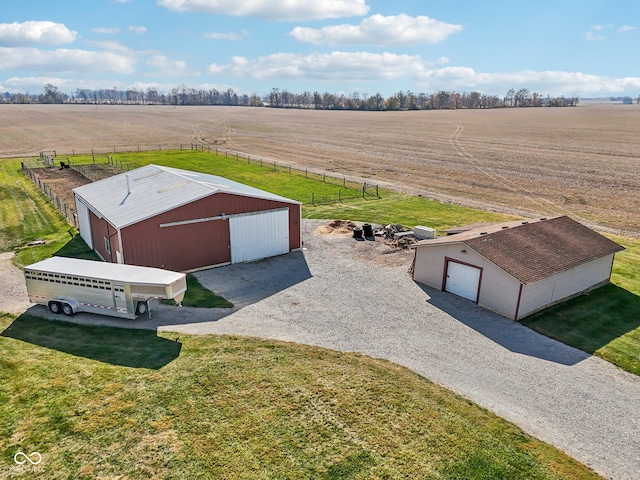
{"x": 71, "y": 285}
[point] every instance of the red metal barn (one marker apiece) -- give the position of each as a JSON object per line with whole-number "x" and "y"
{"x": 181, "y": 220}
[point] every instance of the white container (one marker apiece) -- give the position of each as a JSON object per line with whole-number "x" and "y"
{"x": 424, "y": 233}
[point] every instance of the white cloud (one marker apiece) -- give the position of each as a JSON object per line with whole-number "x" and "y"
{"x": 594, "y": 37}
{"x": 335, "y": 66}
{"x": 163, "y": 65}
{"x": 301, "y": 10}
{"x": 78, "y": 62}
{"x": 112, "y": 46}
{"x": 138, "y": 30}
{"x": 381, "y": 31}
{"x": 552, "y": 83}
{"x": 626, "y": 28}
{"x": 35, "y": 33}
{"x": 233, "y": 36}
{"x": 106, "y": 31}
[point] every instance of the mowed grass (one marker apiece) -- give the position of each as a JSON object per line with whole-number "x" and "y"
{"x": 603, "y": 323}
{"x": 98, "y": 402}
{"x": 391, "y": 207}
{"x": 606, "y": 322}
{"x": 25, "y": 213}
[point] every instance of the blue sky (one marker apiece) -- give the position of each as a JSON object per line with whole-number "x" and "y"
{"x": 585, "y": 48}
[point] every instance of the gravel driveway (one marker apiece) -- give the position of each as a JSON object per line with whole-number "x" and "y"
{"x": 348, "y": 295}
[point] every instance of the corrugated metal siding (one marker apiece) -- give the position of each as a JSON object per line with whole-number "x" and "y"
{"x": 259, "y": 235}
{"x": 100, "y": 229}
{"x": 196, "y": 245}
{"x": 180, "y": 248}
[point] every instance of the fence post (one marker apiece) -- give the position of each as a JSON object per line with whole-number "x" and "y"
{"x": 313, "y": 200}
{"x": 289, "y": 169}
{"x": 236, "y": 156}
{"x": 260, "y": 162}
{"x": 344, "y": 182}
{"x": 364, "y": 189}
{"x": 306, "y": 173}
{"x": 340, "y": 196}
{"x": 275, "y": 169}
{"x": 377, "y": 191}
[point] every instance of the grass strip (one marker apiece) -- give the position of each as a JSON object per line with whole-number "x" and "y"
{"x": 100, "y": 402}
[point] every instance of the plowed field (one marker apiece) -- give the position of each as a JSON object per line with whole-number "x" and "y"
{"x": 583, "y": 161}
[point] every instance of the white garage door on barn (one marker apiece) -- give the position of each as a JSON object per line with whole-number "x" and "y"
{"x": 84, "y": 222}
{"x": 259, "y": 235}
{"x": 463, "y": 280}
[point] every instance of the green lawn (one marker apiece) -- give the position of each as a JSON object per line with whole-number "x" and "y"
{"x": 99, "y": 402}
{"x": 606, "y": 322}
{"x": 26, "y": 214}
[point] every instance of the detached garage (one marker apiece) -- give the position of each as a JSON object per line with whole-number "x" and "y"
{"x": 517, "y": 268}
{"x": 181, "y": 220}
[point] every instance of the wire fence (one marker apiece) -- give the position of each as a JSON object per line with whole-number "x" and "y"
{"x": 68, "y": 212}
{"x": 97, "y": 169}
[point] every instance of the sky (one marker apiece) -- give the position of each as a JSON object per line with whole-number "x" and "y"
{"x": 584, "y": 48}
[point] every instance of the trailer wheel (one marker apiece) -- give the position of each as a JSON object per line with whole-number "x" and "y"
{"x": 67, "y": 309}
{"x": 141, "y": 308}
{"x": 54, "y": 307}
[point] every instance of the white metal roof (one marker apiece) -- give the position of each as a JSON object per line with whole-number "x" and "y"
{"x": 142, "y": 193}
{"x": 106, "y": 271}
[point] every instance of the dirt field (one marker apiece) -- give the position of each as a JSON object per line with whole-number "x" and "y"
{"x": 583, "y": 162}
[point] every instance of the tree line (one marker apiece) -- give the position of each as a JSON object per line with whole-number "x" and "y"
{"x": 282, "y": 98}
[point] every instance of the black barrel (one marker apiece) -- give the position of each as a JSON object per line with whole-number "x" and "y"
{"x": 357, "y": 232}
{"x": 367, "y": 229}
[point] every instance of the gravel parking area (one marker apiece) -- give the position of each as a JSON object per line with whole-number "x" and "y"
{"x": 351, "y": 295}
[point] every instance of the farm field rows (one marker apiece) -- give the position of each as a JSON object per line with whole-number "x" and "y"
{"x": 583, "y": 161}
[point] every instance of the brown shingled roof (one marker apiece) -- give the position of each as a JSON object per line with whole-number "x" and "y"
{"x": 531, "y": 251}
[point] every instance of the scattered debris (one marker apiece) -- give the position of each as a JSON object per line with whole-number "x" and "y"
{"x": 37, "y": 242}
{"x": 337, "y": 227}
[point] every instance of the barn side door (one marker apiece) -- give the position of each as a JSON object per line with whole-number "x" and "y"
{"x": 84, "y": 223}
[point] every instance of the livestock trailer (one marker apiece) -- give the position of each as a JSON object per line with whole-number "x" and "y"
{"x": 71, "y": 285}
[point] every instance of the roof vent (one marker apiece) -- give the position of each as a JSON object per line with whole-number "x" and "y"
{"x": 505, "y": 227}
{"x": 525, "y": 223}
{"x": 483, "y": 233}
{"x": 128, "y": 184}
{"x": 543, "y": 218}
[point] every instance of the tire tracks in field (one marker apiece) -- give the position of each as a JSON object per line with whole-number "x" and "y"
{"x": 454, "y": 140}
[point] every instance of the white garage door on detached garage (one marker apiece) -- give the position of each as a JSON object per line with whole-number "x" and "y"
{"x": 463, "y": 280}
{"x": 259, "y": 235}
